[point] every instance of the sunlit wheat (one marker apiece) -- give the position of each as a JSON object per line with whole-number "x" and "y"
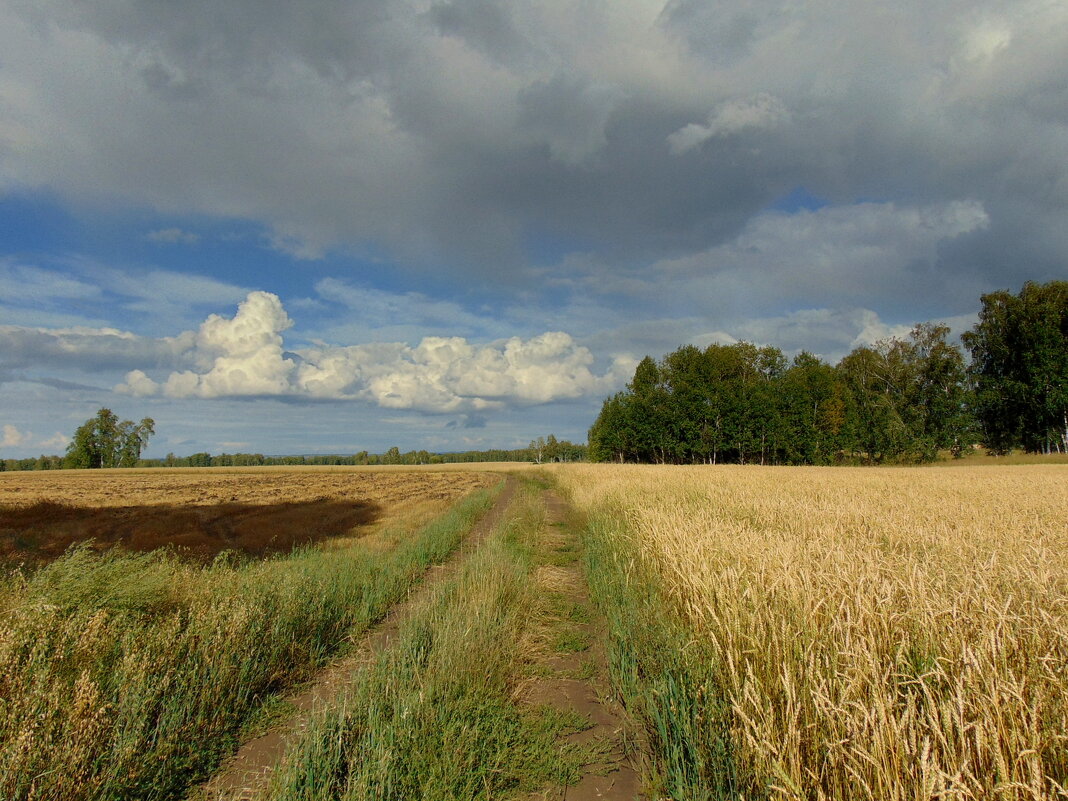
{"x": 877, "y": 633}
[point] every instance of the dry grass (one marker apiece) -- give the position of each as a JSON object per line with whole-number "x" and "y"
{"x": 202, "y": 512}
{"x": 872, "y": 633}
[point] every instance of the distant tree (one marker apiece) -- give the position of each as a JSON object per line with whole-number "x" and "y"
{"x": 876, "y": 386}
{"x": 552, "y": 448}
{"x": 813, "y": 409}
{"x": 648, "y": 413}
{"x": 686, "y": 374}
{"x": 105, "y": 441}
{"x": 132, "y": 439}
{"x": 900, "y": 400}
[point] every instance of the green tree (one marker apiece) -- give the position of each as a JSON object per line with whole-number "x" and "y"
{"x": 552, "y": 448}
{"x": 939, "y": 392}
{"x": 1019, "y": 366}
{"x": 875, "y": 382}
{"x": 132, "y": 440}
{"x": 607, "y": 436}
{"x": 105, "y": 441}
{"x": 813, "y": 408}
{"x": 647, "y": 412}
{"x": 686, "y": 374}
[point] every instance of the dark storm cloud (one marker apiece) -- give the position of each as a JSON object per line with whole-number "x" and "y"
{"x": 459, "y": 135}
{"x": 485, "y": 26}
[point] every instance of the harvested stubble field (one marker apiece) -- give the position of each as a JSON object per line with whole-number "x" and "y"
{"x": 202, "y": 512}
{"x": 824, "y": 633}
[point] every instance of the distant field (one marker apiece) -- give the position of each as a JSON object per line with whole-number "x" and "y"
{"x": 839, "y": 633}
{"x": 202, "y": 512}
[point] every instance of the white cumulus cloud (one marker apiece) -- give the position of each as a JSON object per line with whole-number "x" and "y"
{"x": 13, "y": 438}
{"x": 57, "y": 440}
{"x": 245, "y": 356}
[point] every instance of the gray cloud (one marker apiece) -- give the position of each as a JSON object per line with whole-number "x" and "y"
{"x": 88, "y": 350}
{"x": 408, "y": 316}
{"x": 172, "y": 236}
{"x": 484, "y": 25}
{"x": 459, "y": 133}
{"x": 78, "y": 293}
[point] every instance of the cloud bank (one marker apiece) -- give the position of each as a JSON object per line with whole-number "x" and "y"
{"x": 638, "y": 130}
{"x": 245, "y": 357}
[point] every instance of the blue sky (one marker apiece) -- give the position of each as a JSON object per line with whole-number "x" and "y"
{"x": 453, "y": 224}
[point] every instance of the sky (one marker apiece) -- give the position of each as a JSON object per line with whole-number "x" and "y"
{"x": 344, "y": 225}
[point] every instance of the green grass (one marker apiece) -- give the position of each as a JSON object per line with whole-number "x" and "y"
{"x": 664, "y": 683}
{"x": 570, "y": 640}
{"x": 126, "y": 676}
{"x": 436, "y": 716}
{"x": 975, "y": 458}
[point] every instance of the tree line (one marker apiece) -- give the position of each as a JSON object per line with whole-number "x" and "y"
{"x": 104, "y": 441}
{"x": 556, "y": 451}
{"x": 900, "y": 400}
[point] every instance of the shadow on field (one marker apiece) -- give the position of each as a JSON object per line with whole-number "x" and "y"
{"x": 44, "y": 530}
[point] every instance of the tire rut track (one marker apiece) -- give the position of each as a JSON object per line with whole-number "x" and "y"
{"x": 245, "y": 775}
{"x": 580, "y": 683}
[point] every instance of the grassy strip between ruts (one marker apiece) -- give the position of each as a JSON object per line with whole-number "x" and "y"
{"x": 663, "y": 682}
{"x": 436, "y": 716}
{"x": 125, "y": 676}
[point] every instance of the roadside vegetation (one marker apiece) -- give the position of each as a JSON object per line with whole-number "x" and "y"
{"x": 131, "y": 675}
{"x": 438, "y": 716}
{"x": 837, "y": 634}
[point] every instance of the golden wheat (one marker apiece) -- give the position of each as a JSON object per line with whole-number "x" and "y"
{"x": 878, "y": 633}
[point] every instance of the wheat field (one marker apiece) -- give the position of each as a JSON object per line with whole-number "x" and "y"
{"x": 880, "y": 633}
